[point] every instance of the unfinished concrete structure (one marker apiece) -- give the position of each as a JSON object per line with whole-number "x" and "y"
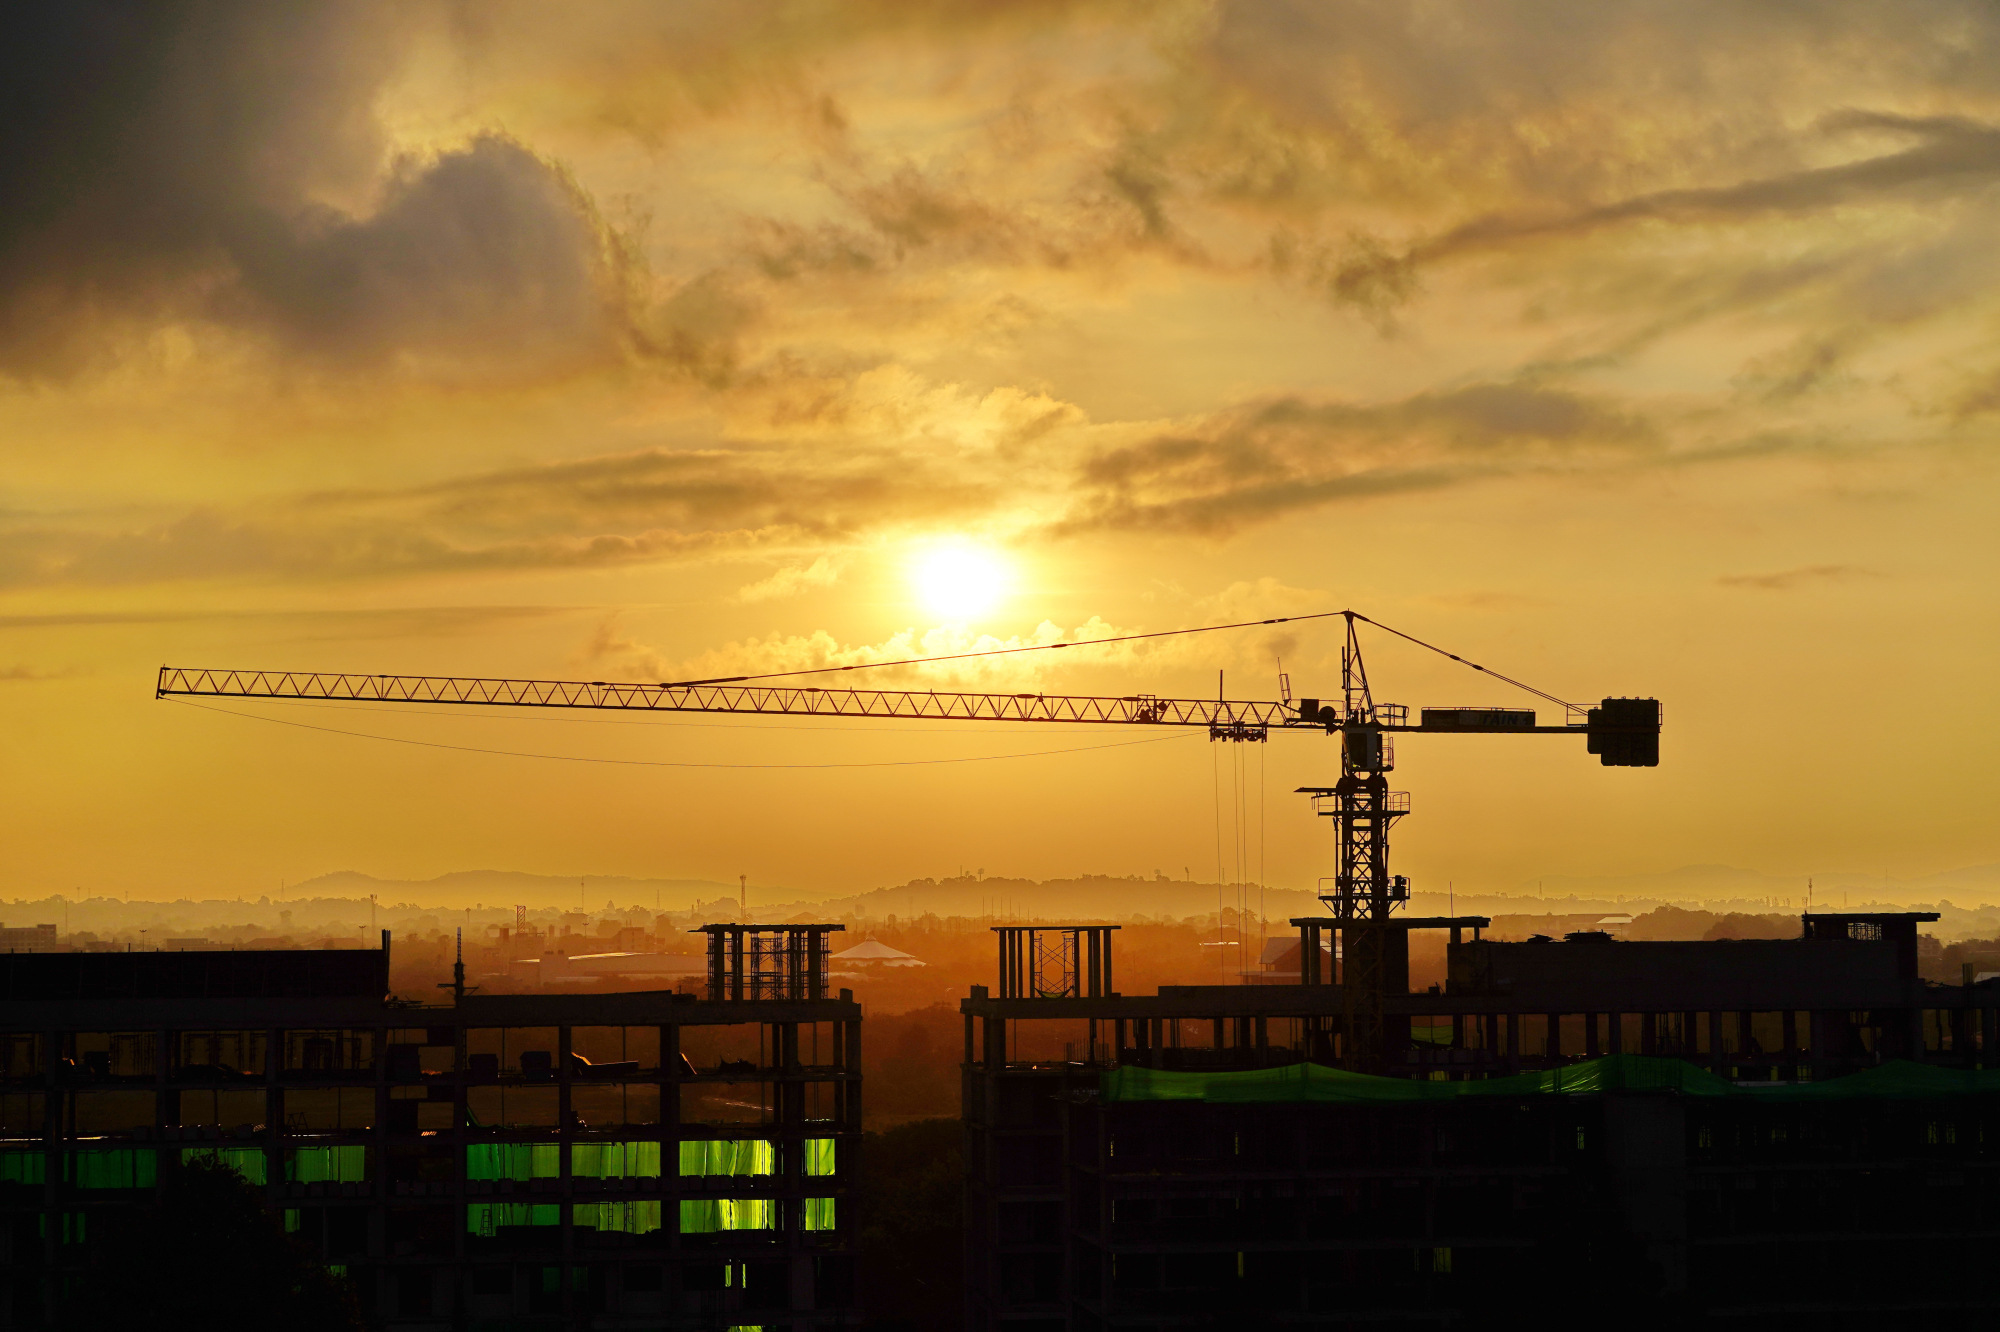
{"x": 1816, "y": 1148}
{"x": 631, "y": 1160}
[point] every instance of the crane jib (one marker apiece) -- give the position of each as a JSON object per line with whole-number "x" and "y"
{"x": 1131, "y": 709}
{"x": 1225, "y": 718}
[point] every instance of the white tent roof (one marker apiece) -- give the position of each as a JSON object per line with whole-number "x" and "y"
{"x": 872, "y": 951}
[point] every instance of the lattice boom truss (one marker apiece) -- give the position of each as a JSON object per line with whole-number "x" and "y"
{"x": 1133, "y": 709}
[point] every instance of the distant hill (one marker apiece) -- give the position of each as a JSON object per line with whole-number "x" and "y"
{"x": 1086, "y": 897}
{"x": 339, "y": 902}
{"x": 506, "y": 888}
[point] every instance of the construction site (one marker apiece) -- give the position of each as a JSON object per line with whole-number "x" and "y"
{"x": 1767, "y": 1130}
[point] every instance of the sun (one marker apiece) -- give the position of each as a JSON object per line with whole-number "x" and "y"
{"x": 959, "y": 580}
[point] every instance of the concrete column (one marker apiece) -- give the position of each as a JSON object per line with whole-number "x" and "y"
{"x": 1615, "y": 1038}
{"x": 1553, "y": 1050}
{"x": 1590, "y": 1046}
{"x": 565, "y": 1134}
{"x": 274, "y": 1105}
{"x": 1717, "y": 1051}
{"x": 853, "y": 1067}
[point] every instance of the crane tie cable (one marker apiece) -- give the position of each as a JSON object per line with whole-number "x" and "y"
{"x": 1562, "y": 703}
{"x": 1123, "y": 638}
{"x": 997, "y": 652}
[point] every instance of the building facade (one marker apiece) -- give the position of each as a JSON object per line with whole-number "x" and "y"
{"x": 1778, "y": 1132}
{"x": 630, "y": 1160}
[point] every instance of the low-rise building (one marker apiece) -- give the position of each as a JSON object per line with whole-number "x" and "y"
{"x": 644, "y": 1159}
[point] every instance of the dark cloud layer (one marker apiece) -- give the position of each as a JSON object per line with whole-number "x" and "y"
{"x": 652, "y": 506}
{"x": 176, "y": 161}
{"x": 1278, "y": 457}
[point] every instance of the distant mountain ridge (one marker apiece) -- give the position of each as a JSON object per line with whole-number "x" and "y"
{"x": 502, "y": 888}
{"x": 1968, "y": 897}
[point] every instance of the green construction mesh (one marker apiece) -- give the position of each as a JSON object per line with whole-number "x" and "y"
{"x": 615, "y": 1160}
{"x": 817, "y": 1213}
{"x": 327, "y": 1165}
{"x": 486, "y": 1218}
{"x": 819, "y": 1156}
{"x": 245, "y": 1161}
{"x": 114, "y": 1168}
{"x": 72, "y": 1227}
{"x": 1319, "y": 1084}
{"x": 23, "y": 1168}
{"x": 631, "y": 1218}
{"x": 513, "y": 1160}
{"x": 707, "y": 1216}
{"x": 729, "y": 1156}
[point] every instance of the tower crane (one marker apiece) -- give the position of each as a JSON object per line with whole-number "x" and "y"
{"x": 1622, "y": 732}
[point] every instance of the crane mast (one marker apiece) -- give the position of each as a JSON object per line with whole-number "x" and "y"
{"x": 1622, "y": 732}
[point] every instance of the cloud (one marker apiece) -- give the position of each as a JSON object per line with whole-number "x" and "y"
{"x": 790, "y": 581}
{"x": 1267, "y": 459}
{"x": 221, "y": 165}
{"x": 1949, "y": 155}
{"x": 650, "y": 506}
{"x": 19, "y": 674}
{"x": 821, "y": 651}
{"x": 617, "y": 655}
{"x": 1787, "y": 579}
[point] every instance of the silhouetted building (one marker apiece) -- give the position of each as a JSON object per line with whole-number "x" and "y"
{"x": 643, "y": 1159}
{"x": 1780, "y": 1132}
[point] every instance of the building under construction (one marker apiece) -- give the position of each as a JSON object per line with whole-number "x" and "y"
{"x": 1779, "y": 1132}
{"x": 635, "y": 1160}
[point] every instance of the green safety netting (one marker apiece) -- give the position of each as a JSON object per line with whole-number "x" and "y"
{"x": 817, "y": 1214}
{"x": 487, "y": 1218}
{"x": 114, "y": 1168}
{"x": 615, "y": 1160}
{"x": 1320, "y": 1084}
{"x": 326, "y": 1165}
{"x": 707, "y": 1216}
{"x": 23, "y": 1168}
{"x": 819, "y": 1156}
{"x": 72, "y": 1227}
{"x": 245, "y": 1161}
{"x": 513, "y": 1160}
{"x": 631, "y": 1218}
{"x": 729, "y": 1156}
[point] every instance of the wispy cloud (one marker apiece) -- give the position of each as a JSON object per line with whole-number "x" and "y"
{"x": 1786, "y": 579}
{"x": 20, "y": 674}
{"x": 791, "y": 580}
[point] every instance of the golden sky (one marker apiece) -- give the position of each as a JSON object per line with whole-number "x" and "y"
{"x": 1639, "y": 348}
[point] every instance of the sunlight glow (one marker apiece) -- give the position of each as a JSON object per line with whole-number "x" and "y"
{"x": 959, "y": 580}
